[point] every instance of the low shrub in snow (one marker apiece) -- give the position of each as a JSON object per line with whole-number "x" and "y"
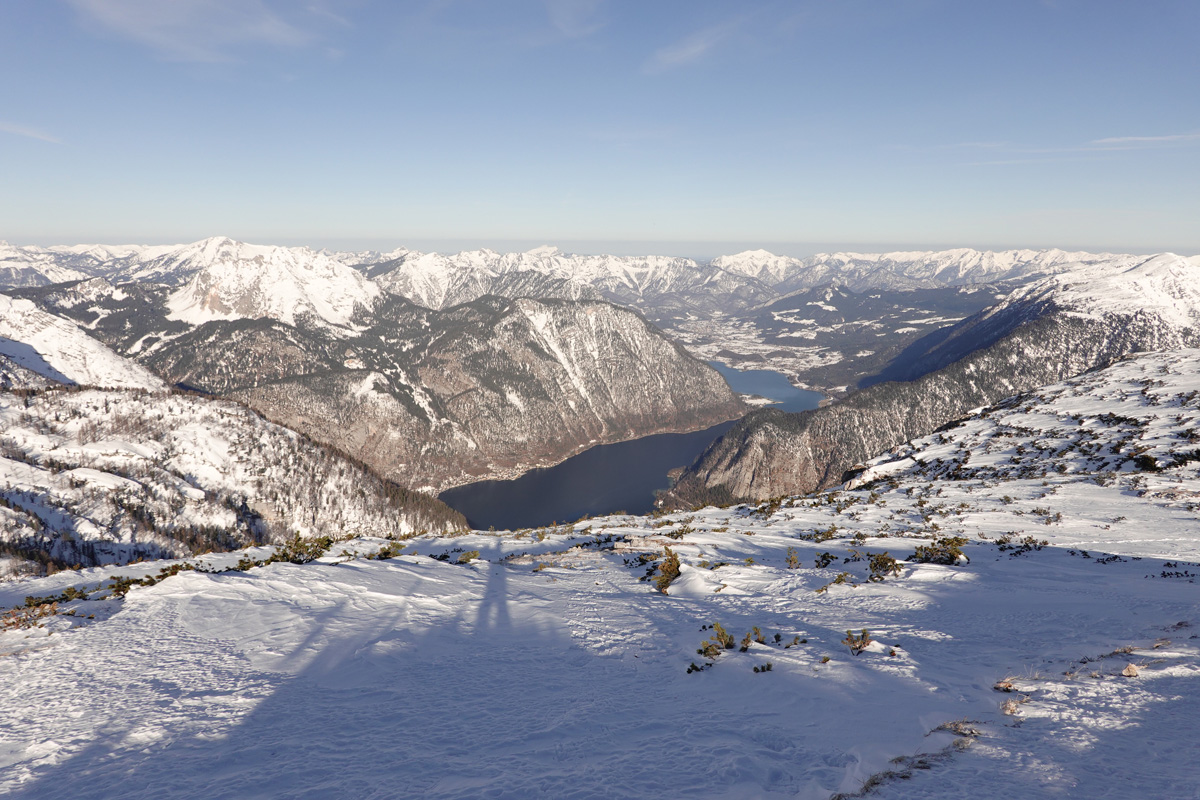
{"x": 945, "y": 550}
{"x": 719, "y": 641}
{"x": 302, "y": 551}
{"x": 668, "y": 570}
{"x": 882, "y": 565}
{"x": 857, "y": 643}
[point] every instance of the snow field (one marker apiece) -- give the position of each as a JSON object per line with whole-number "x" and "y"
{"x": 546, "y": 667}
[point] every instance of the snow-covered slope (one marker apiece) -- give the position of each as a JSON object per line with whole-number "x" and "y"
{"x": 1056, "y": 328}
{"x": 33, "y": 266}
{"x": 1165, "y": 285}
{"x": 1131, "y": 428}
{"x": 58, "y": 349}
{"x": 239, "y": 281}
{"x": 102, "y": 477}
{"x": 928, "y": 269}
{"x": 1057, "y": 657}
{"x": 1159, "y": 295}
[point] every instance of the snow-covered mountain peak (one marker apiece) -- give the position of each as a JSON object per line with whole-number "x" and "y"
{"x": 1166, "y": 285}
{"x": 761, "y": 264}
{"x": 544, "y": 251}
{"x": 930, "y": 269}
{"x": 392, "y": 255}
{"x": 239, "y": 280}
{"x": 216, "y": 249}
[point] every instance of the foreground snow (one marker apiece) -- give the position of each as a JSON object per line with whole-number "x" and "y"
{"x": 548, "y": 667}
{"x": 414, "y": 677}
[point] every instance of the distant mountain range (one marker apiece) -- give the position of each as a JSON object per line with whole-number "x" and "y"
{"x": 657, "y": 285}
{"x": 443, "y": 369}
{"x": 749, "y": 310}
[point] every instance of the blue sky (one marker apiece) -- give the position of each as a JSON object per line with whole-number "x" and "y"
{"x": 692, "y": 127}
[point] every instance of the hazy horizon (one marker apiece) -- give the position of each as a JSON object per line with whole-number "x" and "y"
{"x": 701, "y": 251}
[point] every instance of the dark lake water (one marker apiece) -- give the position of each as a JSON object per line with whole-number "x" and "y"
{"x": 612, "y": 477}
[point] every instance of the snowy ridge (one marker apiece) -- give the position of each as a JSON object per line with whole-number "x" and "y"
{"x": 929, "y": 269}
{"x": 172, "y": 264}
{"x": 1166, "y": 286}
{"x": 438, "y": 280}
{"x": 34, "y": 266}
{"x": 58, "y": 349}
{"x": 241, "y": 281}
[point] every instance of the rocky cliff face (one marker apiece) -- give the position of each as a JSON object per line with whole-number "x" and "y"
{"x": 1053, "y": 330}
{"x": 494, "y": 388}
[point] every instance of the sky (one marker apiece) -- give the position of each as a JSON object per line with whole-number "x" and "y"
{"x": 689, "y": 127}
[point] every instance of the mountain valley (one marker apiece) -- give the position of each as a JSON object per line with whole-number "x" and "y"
{"x": 1047, "y": 331}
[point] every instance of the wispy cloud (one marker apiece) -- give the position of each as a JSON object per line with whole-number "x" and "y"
{"x": 323, "y": 11}
{"x": 1145, "y": 141}
{"x": 976, "y": 145}
{"x": 31, "y": 133}
{"x": 692, "y": 48}
{"x": 1087, "y": 151}
{"x": 575, "y": 19}
{"x": 193, "y": 30}
{"x": 1008, "y": 162}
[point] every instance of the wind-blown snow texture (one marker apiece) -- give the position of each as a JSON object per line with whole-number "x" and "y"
{"x": 545, "y": 667}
